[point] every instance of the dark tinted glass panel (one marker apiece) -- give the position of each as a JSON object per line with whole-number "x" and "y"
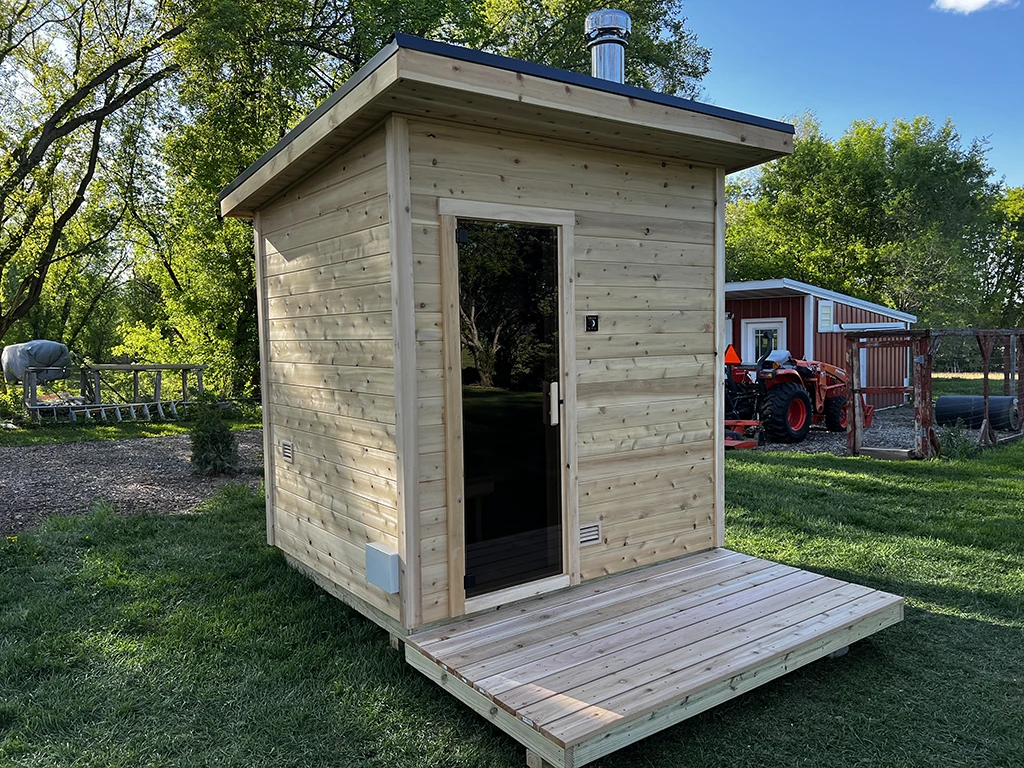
{"x": 509, "y": 305}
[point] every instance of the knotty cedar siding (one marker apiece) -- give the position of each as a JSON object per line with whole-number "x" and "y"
{"x": 644, "y": 250}
{"x": 330, "y": 374}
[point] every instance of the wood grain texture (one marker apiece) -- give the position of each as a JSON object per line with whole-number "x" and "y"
{"x": 329, "y": 373}
{"x": 596, "y": 667}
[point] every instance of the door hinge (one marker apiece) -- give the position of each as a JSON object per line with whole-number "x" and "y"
{"x": 462, "y": 236}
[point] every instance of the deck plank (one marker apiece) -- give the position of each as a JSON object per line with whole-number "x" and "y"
{"x": 592, "y": 668}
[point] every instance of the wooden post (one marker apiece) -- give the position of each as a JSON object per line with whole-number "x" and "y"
{"x": 184, "y": 385}
{"x": 920, "y": 449}
{"x": 985, "y": 343}
{"x": 135, "y": 386}
{"x": 199, "y": 381}
{"x": 854, "y": 429}
{"x": 158, "y": 380}
{"x": 1007, "y": 365}
{"x": 97, "y": 398}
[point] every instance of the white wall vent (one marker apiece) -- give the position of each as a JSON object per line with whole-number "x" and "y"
{"x": 826, "y": 316}
{"x": 288, "y": 452}
{"x": 590, "y": 534}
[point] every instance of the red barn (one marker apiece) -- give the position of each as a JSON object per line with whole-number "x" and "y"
{"x": 810, "y": 322}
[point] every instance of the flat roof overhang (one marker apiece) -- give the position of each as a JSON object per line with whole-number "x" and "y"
{"x": 784, "y": 287}
{"x": 418, "y": 77}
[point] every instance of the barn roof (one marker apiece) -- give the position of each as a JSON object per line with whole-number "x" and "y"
{"x": 421, "y": 77}
{"x": 768, "y": 289}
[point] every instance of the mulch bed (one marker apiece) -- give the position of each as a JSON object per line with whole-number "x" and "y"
{"x": 150, "y": 475}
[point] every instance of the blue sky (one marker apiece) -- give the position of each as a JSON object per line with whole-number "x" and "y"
{"x": 857, "y": 59}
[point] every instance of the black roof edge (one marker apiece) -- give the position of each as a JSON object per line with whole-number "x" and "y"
{"x": 461, "y": 53}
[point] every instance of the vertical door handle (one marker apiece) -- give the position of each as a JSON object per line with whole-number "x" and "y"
{"x": 553, "y": 410}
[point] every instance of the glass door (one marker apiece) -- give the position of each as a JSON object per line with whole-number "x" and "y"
{"x": 509, "y": 308}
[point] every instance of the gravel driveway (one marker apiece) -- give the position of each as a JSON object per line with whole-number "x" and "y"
{"x": 137, "y": 475}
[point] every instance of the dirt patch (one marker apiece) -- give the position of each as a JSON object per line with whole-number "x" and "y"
{"x": 891, "y": 428}
{"x": 137, "y": 476}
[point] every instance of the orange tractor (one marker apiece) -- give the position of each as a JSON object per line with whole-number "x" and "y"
{"x": 782, "y": 397}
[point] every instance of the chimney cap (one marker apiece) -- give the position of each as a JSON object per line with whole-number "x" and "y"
{"x": 607, "y": 25}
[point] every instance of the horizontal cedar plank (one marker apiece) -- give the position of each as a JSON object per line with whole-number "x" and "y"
{"x": 322, "y": 422}
{"x": 612, "y": 297}
{"x": 431, "y": 438}
{"x": 352, "y": 218}
{"x": 373, "y": 487}
{"x": 431, "y": 411}
{"x": 628, "y": 486}
{"x": 659, "y": 526}
{"x": 595, "y": 562}
{"x": 428, "y": 355}
{"x": 347, "y": 274}
{"x": 366, "y": 325}
{"x": 374, "y": 353}
{"x": 537, "y": 158}
{"x": 634, "y": 368}
{"x": 592, "y": 224}
{"x": 643, "y": 390}
{"x": 428, "y": 326}
{"x": 668, "y": 502}
{"x": 355, "y": 405}
{"x": 593, "y": 346}
{"x": 593, "y": 444}
{"x": 348, "y": 246}
{"x": 642, "y": 623}
{"x": 356, "y": 532}
{"x": 343, "y": 301}
{"x": 344, "y": 378}
{"x": 601, "y": 273}
{"x": 658, "y": 321}
{"x": 638, "y": 646}
{"x": 484, "y": 84}
{"x": 338, "y": 503}
{"x": 541, "y": 633}
{"x": 673, "y": 673}
{"x": 468, "y": 633}
{"x": 358, "y": 158}
{"x": 644, "y": 459}
{"x": 432, "y": 494}
{"x": 339, "y": 573}
{"x": 427, "y": 297}
{"x": 426, "y": 233}
{"x": 768, "y": 659}
{"x": 644, "y": 414}
{"x": 566, "y": 193}
{"x": 373, "y": 461}
{"x": 350, "y": 190}
{"x": 625, "y": 251}
{"x": 426, "y": 268}
{"x": 434, "y": 551}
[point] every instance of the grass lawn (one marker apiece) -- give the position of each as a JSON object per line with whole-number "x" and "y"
{"x": 967, "y": 384}
{"x": 181, "y": 641}
{"x": 80, "y": 432}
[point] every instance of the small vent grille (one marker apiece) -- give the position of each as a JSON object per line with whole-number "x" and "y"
{"x": 288, "y": 452}
{"x": 590, "y": 534}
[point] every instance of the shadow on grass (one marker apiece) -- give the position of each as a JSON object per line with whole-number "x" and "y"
{"x": 186, "y": 641}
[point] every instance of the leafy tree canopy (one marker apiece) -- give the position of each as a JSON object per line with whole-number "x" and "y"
{"x": 897, "y": 213}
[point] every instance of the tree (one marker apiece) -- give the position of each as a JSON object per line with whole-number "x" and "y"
{"x": 71, "y": 71}
{"x": 900, "y": 214}
{"x": 249, "y": 71}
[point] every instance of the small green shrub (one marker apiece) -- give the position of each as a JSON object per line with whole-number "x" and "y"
{"x": 10, "y": 404}
{"x": 214, "y": 448}
{"x": 957, "y": 442}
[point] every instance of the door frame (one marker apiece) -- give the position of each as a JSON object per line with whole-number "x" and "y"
{"x": 450, "y": 210}
{"x": 749, "y": 325}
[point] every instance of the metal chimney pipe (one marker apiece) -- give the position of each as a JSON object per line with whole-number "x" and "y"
{"x": 607, "y": 35}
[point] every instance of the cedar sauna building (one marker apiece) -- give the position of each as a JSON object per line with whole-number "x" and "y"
{"x": 491, "y": 320}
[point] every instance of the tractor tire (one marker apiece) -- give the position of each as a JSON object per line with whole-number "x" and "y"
{"x": 786, "y": 413}
{"x": 835, "y": 414}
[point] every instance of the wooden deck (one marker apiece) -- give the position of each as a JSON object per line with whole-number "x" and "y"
{"x": 583, "y": 672}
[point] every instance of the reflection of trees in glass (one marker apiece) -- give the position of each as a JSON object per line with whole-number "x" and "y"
{"x": 509, "y": 303}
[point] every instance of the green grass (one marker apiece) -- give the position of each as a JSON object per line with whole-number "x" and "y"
{"x": 184, "y": 640}
{"x": 80, "y": 432}
{"x": 967, "y": 385}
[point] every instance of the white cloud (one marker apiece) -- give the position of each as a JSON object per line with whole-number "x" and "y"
{"x": 967, "y": 6}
